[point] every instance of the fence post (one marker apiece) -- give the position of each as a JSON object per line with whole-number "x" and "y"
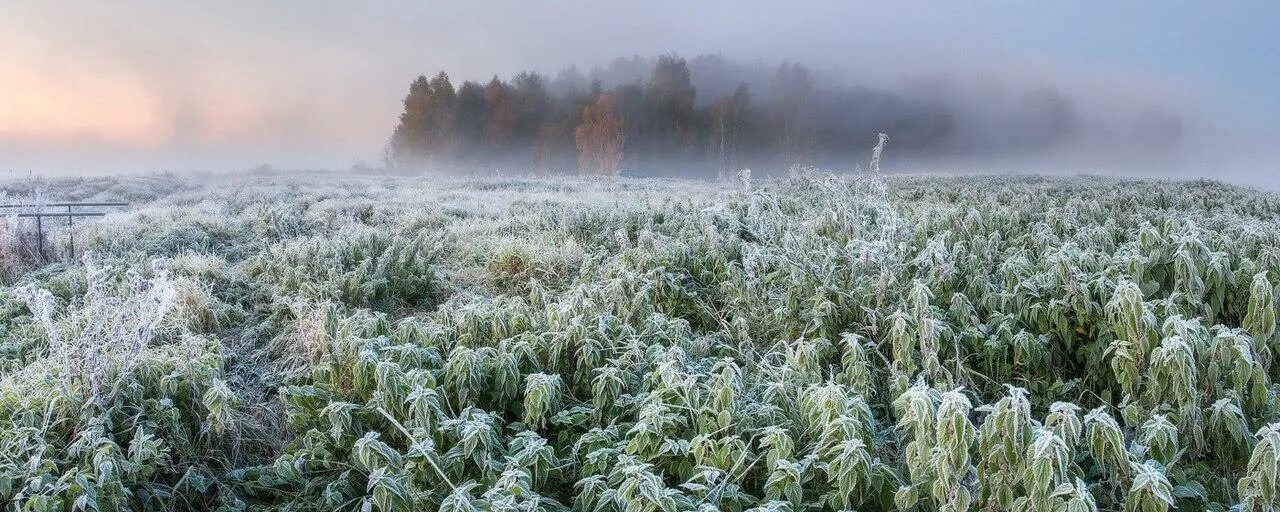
{"x": 39, "y": 213}
{"x": 40, "y": 235}
{"x": 71, "y": 235}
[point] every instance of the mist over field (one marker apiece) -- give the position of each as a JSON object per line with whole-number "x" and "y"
{"x": 1181, "y": 91}
{"x": 665, "y": 256}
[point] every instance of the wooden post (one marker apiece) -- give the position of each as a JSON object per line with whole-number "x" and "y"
{"x": 71, "y": 235}
{"x": 39, "y": 214}
{"x": 40, "y": 235}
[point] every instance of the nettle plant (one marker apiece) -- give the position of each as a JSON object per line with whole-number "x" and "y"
{"x": 122, "y": 406}
{"x": 98, "y": 341}
{"x": 806, "y": 343}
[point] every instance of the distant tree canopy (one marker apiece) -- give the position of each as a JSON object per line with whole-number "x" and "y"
{"x": 670, "y": 115}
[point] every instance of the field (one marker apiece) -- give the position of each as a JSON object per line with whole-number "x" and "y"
{"x": 805, "y": 343}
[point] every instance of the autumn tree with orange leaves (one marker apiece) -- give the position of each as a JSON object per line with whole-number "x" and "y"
{"x": 600, "y": 137}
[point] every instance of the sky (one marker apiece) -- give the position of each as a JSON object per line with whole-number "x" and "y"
{"x": 125, "y": 86}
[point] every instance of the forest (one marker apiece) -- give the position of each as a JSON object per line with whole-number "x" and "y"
{"x": 707, "y": 116}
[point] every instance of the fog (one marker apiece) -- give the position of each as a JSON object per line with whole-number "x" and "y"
{"x": 1183, "y": 90}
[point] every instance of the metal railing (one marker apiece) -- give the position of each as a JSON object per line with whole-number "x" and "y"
{"x": 40, "y": 214}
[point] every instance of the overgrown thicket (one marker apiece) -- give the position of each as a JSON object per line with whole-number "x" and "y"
{"x": 814, "y": 343}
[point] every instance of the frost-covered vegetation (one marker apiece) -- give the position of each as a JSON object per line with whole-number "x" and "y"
{"x": 809, "y": 343}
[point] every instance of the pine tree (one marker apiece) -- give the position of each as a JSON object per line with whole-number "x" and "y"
{"x": 409, "y": 141}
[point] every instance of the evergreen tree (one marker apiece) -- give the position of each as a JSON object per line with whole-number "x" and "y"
{"x": 409, "y": 141}
{"x": 441, "y": 110}
{"x": 531, "y": 105}
{"x": 471, "y": 124}
{"x": 672, "y": 96}
{"x": 500, "y": 130}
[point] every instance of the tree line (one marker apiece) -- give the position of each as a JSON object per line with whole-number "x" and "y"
{"x": 705, "y": 115}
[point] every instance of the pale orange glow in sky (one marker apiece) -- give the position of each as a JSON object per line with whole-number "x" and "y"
{"x": 38, "y": 108}
{"x": 114, "y": 108}
{"x": 153, "y": 85}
